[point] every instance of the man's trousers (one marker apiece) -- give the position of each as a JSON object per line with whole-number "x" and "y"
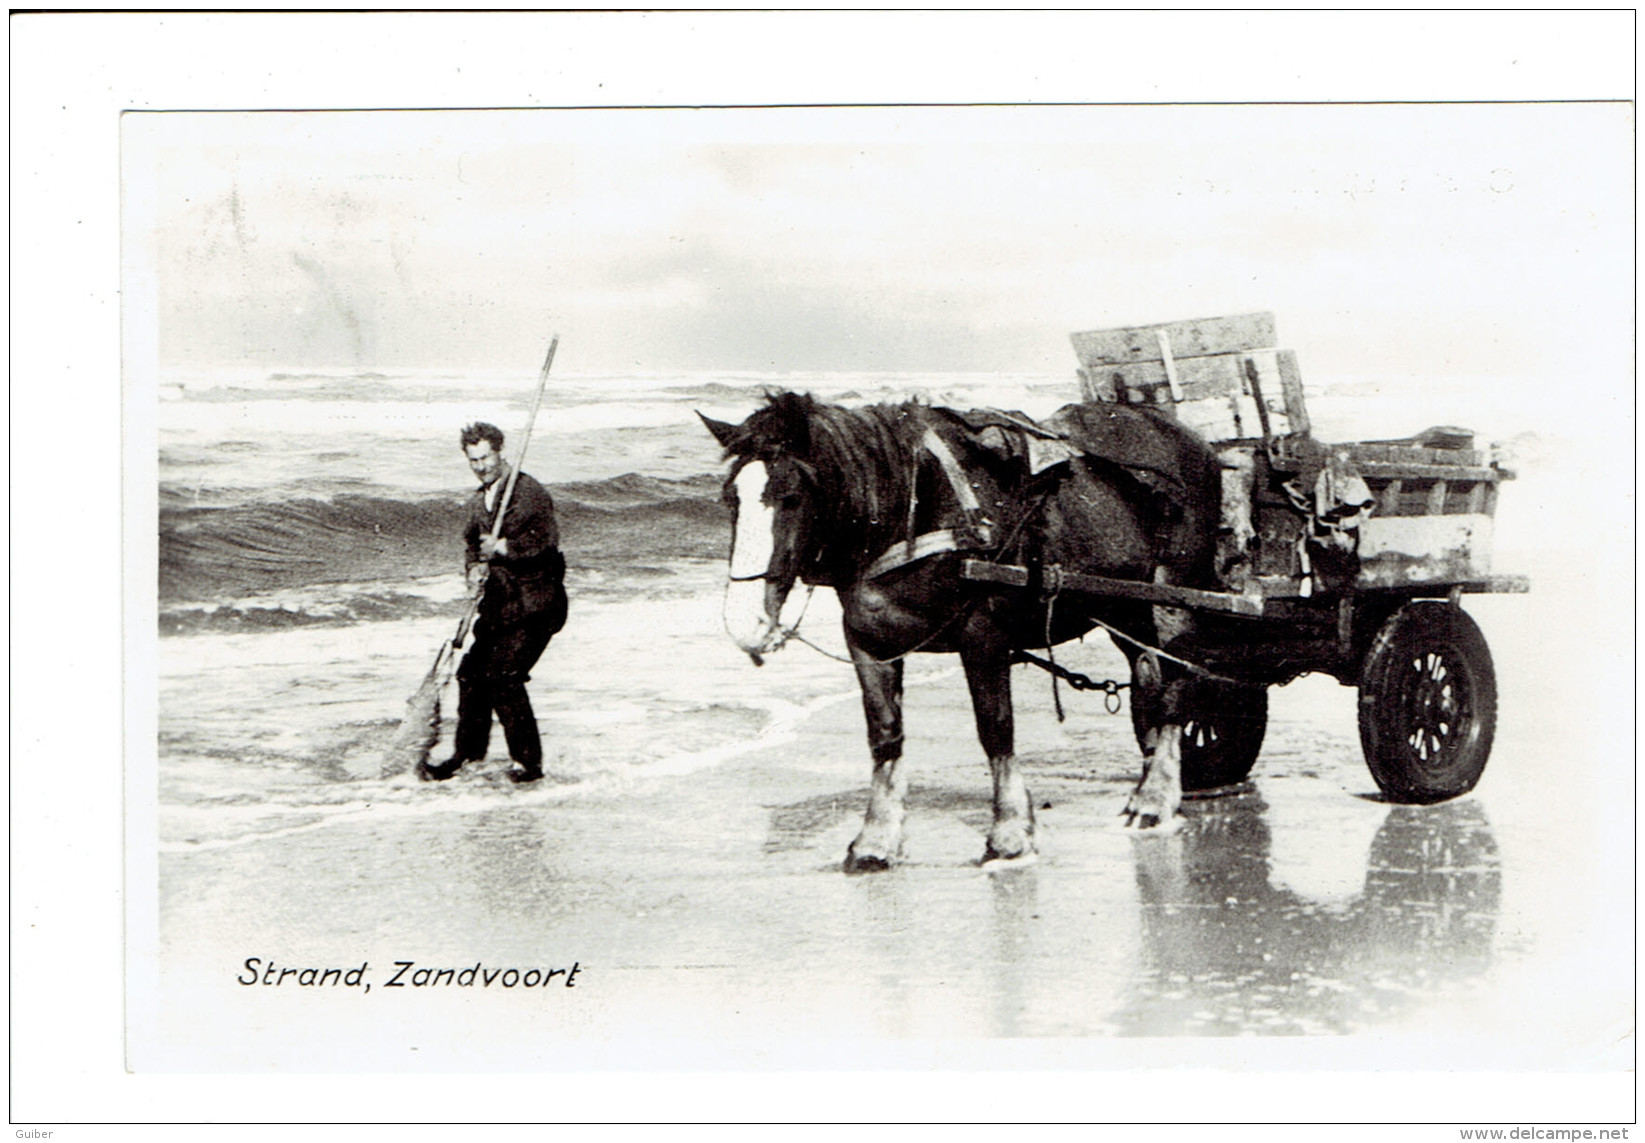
{"x": 492, "y": 677}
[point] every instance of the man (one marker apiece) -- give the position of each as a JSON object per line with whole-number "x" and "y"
{"x": 522, "y": 607}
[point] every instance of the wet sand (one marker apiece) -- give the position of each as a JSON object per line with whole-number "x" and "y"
{"x": 711, "y": 925}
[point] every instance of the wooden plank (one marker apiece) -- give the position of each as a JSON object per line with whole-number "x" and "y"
{"x": 1277, "y": 587}
{"x": 984, "y": 571}
{"x": 1413, "y": 454}
{"x": 1198, "y": 377}
{"x": 1290, "y": 380}
{"x": 1416, "y": 551}
{"x": 1378, "y": 470}
{"x": 1222, "y": 601}
{"x": 1467, "y": 585}
{"x": 1436, "y": 498}
{"x": 1095, "y": 385}
{"x": 1281, "y": 602}
{"x": 1197, "y": 338}
{"x": 1222, "y": 419}
{"x": 1498, "y": 585}
{"x": 1213, "y": 394}
{"x": 1014, "y": 576}
{"x": 1388, "y": 502}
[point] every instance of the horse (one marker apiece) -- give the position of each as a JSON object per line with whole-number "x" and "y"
{"x": 884, "y": 502}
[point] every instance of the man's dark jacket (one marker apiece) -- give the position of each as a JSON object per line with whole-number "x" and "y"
{"x": 529, "y": 581}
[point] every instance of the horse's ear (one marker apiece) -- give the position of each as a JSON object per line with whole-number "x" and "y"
{"x": 723, "y": 431}
{"x": 794, "y": 416}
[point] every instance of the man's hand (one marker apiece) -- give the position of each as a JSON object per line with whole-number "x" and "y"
{"x": 476, "y": 576}
{"x": 492, "y": 546}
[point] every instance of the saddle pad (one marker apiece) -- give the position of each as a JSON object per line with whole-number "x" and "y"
{"x": 1135, "y": 439}
{"x": 1012, "y": 434}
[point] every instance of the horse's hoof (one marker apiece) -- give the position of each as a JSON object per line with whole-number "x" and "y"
{"x": 1009, "y": 846}
{"x": 1154, "y": 824}
{"x": 875, "y": 849}
{"x": 866, "y": 863}
{"x": 520, "y": 775}
{"x": 995, "y": 863}
{"x": 1147, "y": 811}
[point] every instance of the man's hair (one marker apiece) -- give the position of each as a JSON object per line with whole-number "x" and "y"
{"x": 481, "y": 431}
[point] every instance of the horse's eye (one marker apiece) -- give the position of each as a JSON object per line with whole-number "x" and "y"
{"x": 791, "y": 500}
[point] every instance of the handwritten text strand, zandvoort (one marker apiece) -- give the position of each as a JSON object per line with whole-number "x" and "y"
{"x": 407, "y": 974}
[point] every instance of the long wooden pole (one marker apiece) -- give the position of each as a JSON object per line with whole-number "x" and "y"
{"x": 525, "y": 440}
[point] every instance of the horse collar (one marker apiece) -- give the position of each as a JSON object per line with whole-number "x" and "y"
{"x": 975, "y": 532}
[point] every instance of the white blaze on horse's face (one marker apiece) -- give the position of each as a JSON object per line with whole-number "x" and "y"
{"x": 747, "y": 619}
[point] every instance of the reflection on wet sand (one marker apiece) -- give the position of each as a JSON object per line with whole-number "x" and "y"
{"x": 1015, "y": 901}
{"x": 1243, "y": 936}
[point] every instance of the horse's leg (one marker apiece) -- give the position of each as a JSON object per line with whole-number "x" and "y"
{"x": 880, "y": 841}
{"x": 1165, "y": 693}
{"x": 1157, "y": 797}
{"x": 987, "y": 658}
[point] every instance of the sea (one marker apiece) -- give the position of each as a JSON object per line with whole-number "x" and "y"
{"x": 310, "y": 568}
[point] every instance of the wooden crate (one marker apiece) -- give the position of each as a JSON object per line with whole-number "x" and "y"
{"x": 1208, "y": 373}
{"x": 1433, "y": 520}
{"x": 1431, "y": 524}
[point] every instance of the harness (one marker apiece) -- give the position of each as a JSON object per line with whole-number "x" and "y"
{"x": 977, "y": 531}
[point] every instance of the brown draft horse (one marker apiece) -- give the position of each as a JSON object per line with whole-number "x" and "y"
{"x": 883, "y": 503}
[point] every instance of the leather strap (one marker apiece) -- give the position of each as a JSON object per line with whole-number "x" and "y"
{"x": 976, "y": 533}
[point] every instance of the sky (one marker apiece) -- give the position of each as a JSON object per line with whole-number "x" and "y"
{"x": 1385, "y": 237}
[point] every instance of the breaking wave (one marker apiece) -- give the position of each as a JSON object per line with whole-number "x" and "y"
{"x": 220, "y": 553}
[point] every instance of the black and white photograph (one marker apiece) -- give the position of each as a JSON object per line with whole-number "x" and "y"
{"x": 777, "y": 586}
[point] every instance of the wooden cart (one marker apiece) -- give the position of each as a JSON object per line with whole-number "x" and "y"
{"x": 1376, "y": 605}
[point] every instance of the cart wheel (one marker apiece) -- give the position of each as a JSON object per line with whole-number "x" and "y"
{"x": 1222, "y": 737}
{"x": 1427, "y": 703}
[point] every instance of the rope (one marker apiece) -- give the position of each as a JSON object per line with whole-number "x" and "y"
{"x": 824, "y": 651}
{"x": 1193, "y": 668}
{"x": 1055, "y": 574}
{"x": 792, "y": 632}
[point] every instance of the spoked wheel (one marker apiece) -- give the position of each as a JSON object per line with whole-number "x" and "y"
{"x": 1221, "y": 737}
{"x": 1427, "y": 703}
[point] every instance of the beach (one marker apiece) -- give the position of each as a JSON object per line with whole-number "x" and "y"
{"x": 683, "y": 853}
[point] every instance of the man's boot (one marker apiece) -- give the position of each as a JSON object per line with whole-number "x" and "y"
{"x": 439, "y": 771}
{"x": 521, "y": 773}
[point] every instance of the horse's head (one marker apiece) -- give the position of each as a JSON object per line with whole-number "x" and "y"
{"x": 772, "y": 494}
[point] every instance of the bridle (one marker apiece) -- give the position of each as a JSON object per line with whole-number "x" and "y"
{"x": 807, "y": 477}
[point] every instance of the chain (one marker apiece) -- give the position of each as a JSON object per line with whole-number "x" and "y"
{"x": 1110, "y": 688}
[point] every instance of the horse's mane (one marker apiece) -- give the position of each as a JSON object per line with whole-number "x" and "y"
{"x": 860, "y": 461}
